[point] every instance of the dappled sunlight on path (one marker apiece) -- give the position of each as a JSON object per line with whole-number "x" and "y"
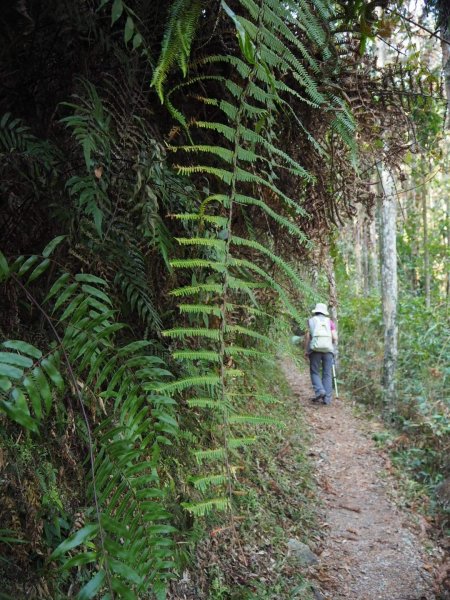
{"x": 371, "y": 549}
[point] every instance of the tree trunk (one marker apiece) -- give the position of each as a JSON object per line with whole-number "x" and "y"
{"x": 426, "y": 250}
{"x": 373, "y": 257}
{"x": 448, "y": 246}
{"x": 414, "y": 242}
{"x": 358, "y": 252}
{"x": 388, "y": 233}
{"x": 365, "y": 255}
{"x": 444, "y": 17}
{"x": 333, "y": 299}
{"x": 445, "y": 41}
{"x": 389, "y": 290}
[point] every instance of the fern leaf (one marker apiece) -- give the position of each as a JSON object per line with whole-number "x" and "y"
{"x": 197, "y": 263}
{"x": 208, "y": 381}
{"x": 200, "y": 509}
{"x": 210, "y": 242}
{"x": 27, "y": 381}
{"x": 249, "y": 332}
{"x": 213, "y": 219}
{"x": 207, "y": 403}
{"x": 204, "y": 309}
{"x": 242, "y": 442}
{"x": 202, "y": 483}
{"x": 210, "y": 454}
{"x": 180, "y": 333}
{"x": 178, "y": 37}
{"x": 193, "y": 290}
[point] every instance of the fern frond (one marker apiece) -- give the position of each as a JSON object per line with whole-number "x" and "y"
{"x": 210, "y": 242}
{"x": 208, "y": 381}
{"x": 132, "y": 280}
{"x": 16, "y": 139}
{"x": 27, "y": 379}
{"x": 180, "y": 333}
{"x": 177, "y": 41}
{"x": 210, "y": 454}
{"x": 197, "y": 263}
{"x": 200, "y": 509}
{"x": 235, "y": 443}
{"x": 215, "y": 405}
{"x": 203, "y": 309}
{"x": 240, "y": 351}
{"x": 245, "y": 164}
{"x": 131, "y": 529}
{"x": 202, "y": 483}
{"x": 14, "y": 134}
{"x": 193, "y": 290}
{"x": 213, "y": 219}
{"x": 208, "y": 355}
{"x": 249, "y": 332}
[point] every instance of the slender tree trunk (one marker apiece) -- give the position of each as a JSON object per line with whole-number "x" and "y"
{"x": 445, "y": 41}
{"x": 448, "y": 245}
{"x": 358, "y": 252}
{"x": 445, "y": 45}
{"x": 414, "y": 243}
{"x": 388, "y": 245}
{"x": 426, "y": 249}
{"x": 388, "y": 234}
{"x": 314, "y": 267}
{"x": 365, "y": 256}
{"x": 333, "y": 298}
{"x": 373, "y": 257}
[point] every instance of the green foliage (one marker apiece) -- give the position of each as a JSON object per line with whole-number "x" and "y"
{"x": 128, "y": 542}
{"x": 121, "y": 217}
{"x": 178, "y": 37}
{"x": 420, "y": 418}
{"x": 17, "y": 140}
{"x": 230, "y": 278}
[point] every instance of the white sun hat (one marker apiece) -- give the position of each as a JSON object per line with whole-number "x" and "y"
{"x": 321, "y": 308}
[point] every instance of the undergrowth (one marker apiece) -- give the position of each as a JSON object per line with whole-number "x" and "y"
{"x": 275, "y": 496}
{"x": 417, "y": 433}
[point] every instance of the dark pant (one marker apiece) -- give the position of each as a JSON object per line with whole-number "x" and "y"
{"x": 320, "y": 368}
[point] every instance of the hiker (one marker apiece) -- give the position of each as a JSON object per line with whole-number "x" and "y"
{"x": 319, "y": 340}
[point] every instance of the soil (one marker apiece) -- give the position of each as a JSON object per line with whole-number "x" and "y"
{"x": 371, "y": 548}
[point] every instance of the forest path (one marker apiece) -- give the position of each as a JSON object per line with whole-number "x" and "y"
{"x": 370, "y": 550}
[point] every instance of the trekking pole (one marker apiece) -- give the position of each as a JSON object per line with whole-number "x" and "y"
{"x": 335, "y": 381}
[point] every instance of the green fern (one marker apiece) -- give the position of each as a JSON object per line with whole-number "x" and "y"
{"x": 200, "y": 509}
{"x": 128, "y": 544}
{"x": 244, "y": 167}
{"x": 14, "y": 134}
{"x": 178, "y": 38}
{"x": 120, "y": 217}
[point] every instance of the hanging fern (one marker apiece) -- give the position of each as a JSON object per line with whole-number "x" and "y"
{"x": 121, "y": 221}
{"x": 178, "y": 38}
{"x": 243, "y": 165}
{"x": 128, "y": 543}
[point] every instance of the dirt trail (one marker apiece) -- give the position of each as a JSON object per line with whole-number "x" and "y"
{"x": 370, "y": 549}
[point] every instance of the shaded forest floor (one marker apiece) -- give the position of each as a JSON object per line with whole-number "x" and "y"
{"x": 322, "y": 482}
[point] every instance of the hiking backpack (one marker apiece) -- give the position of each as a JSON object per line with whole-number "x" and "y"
{"x": 321, "y": 340}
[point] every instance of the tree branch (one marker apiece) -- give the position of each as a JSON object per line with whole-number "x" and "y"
{"x": 409, "y": 20}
